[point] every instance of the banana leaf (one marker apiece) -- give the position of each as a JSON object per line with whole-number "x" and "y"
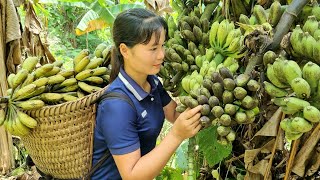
{"x": 99, "y": 17}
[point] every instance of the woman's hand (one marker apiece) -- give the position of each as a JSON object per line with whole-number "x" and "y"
{"x": 187, "y": 124}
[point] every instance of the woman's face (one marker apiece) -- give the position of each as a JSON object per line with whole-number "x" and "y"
{"x": 146, "y": 58}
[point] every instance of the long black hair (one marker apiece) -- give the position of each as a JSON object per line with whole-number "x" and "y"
{"x": 132, "y": 27}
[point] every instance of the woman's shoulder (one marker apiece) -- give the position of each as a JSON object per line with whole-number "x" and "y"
{"x": 116, "y": 86}
{"x": 117, "y": 96}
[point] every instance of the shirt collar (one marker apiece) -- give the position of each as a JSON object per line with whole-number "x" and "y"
{"x": 134, "y": 88}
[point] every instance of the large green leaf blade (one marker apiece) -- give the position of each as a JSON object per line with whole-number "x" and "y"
{"x": 89, "y": 16}
{"x": 213, "y": 151}
{"x": 109, "y": 14}
{"x": 99, "y": 17}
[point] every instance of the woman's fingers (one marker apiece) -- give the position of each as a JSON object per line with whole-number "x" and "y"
{"x": 188, "y": 113}
{"x": 197, "y": 129}
{"x": 195, "y": 118}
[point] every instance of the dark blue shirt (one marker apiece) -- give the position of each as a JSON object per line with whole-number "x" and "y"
{"x": 123, "y": 129}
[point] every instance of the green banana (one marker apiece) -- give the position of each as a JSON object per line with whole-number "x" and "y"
{"x": 185, "y": 82}
{"x": 260, "y": 13}
{"x": 316, "y": 52}
{"x": 41, "y": 81}
{"x": 311, "y": 73}
{"x": 42, "y": 70}
{"x": 278, "y": 66}
{"x": 296, "y": 103}
{"x": 232, "y": 34}
{"x": 68, "y": 82}
{"x": 299, "y": 124}
{"x": 275, "y": 13}
{"x": 301, "y": 88}
{"x": 309, "y": 43}
{"x": 19, "y": 78}
{"x": 311, "y": 113}
{"x": 280, "y": 101}
{"x": 172, "y": 26}
{"x": 316, "y": 12}
{"x": 55, "y": 70}
{"x": 28, "y": 80}
{"x": 213, "y": 33}
{"x": 24, "y": 91}
{"x": 70, "y": 88}
{"x": 94, "y": 80}
{"x": 269, "y": 57}
{"x": 311, "y": 25}
{"x": 273, "y": 90}
{"x": 295, "y": 39}
{"x": 88, "y": 88}
{"x": 291, "y": 70}
{"x": 273, "y": 78}
{"x": 30, "y": 63}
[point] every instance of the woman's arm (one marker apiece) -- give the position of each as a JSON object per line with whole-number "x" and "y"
{"x": 133, "y": 166}
{"x": 170, "y": 111}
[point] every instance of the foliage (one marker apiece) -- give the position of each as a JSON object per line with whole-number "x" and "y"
{"x": 169, "y": 173}
{"x": 59, "y": 21}
{"x": 213, "y": 151}
{"x": 99, "y": 17}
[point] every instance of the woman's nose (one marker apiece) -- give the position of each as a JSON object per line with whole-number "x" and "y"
{"x": 161, "y": 54}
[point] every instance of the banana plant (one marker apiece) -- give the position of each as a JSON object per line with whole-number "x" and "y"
{"x": 100, "y": 13}
{"x": 101, "y": 16}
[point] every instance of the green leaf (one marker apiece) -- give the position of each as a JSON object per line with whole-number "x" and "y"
{"x": 213, "y": 151}
{"x": 108, "y": 14}
{"x": 99, "y": 17}
{"x": 89, "y": 16}
{"x": 169, "y": 173}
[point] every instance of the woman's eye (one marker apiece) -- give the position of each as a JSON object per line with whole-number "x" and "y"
{"x": 153, "y": 49}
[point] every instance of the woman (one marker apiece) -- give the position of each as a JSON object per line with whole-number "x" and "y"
{"x": 130, "y": 133}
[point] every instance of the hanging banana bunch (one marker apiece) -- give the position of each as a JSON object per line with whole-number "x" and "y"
{"x": 226, "y": 99}
{"x": 305, "y": 41}
{"x": 226, "y": 40}
{"x": 189, "y": 38}
{"x": 296, "y": 90}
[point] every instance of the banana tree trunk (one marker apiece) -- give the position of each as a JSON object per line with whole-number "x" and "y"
{"x": 10, "y": 36}
{"x": 6, "y": 157}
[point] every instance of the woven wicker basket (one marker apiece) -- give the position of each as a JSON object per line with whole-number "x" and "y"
{"x": 61, "y": 145}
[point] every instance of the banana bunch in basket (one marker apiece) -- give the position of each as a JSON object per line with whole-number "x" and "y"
{"x": 24, "y": 85}
{"x": 34, "y": 87}
{"x": 297, "y": 92}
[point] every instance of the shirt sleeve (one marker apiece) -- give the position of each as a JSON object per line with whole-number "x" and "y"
{"x": 117, "y": 121}
{"x": 165, "y": 97}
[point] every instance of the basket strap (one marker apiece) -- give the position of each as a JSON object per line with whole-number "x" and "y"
{"x": 116, "y": 95}
{"x": 109, "y": 95}
{"x": 96, "y": 166}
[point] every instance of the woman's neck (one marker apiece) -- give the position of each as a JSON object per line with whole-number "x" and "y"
{"x": 140, "y": 79}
